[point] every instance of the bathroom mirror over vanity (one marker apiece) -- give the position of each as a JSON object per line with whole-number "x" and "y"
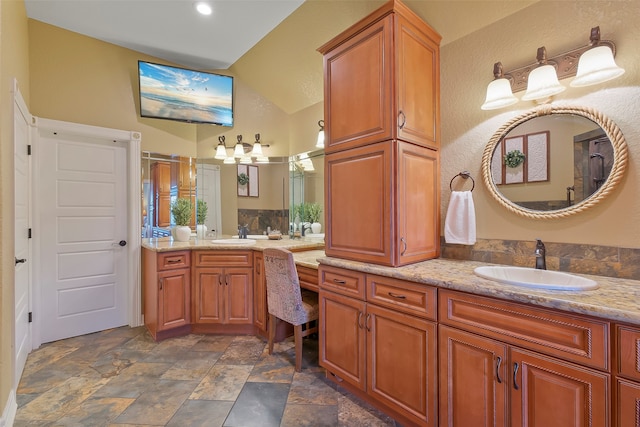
{"x": 285, "y": 185}
{"x": 554, "y": 161}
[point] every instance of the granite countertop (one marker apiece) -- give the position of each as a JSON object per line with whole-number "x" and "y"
{"x": 614, "y": 299}
{"x": 166, "y": 244}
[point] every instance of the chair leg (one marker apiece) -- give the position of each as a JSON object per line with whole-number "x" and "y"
{"x": 297, "y": 337}
{"x": 272, "y": 331}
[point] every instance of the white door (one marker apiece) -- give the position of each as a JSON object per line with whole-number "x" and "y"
{"x": 82, "y": 210}
{"x": 22, "y": 248}
{"x": 208, "y": 188}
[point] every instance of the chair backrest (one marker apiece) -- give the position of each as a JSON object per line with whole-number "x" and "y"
{"x": 283, "y": 287}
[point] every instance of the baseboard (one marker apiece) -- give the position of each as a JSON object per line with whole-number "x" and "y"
{"x": 9, "y": 412}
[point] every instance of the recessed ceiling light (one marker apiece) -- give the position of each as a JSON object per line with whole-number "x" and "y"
{"x": 203, "y": 8}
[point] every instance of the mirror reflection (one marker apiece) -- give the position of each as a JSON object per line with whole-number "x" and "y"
{"x": 552, "y": 162}
{"x": 260, "y": 196}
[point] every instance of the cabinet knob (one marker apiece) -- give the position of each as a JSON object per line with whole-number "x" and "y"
{"x": 404, "y": 245}
{"x": 359, "y": 319}
{"x": 161, "y": 282}
{"x": 402, "y": 116}
{"x": 366, "y": 322}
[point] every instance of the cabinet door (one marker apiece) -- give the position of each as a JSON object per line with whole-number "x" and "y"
{"x": 402, "y": 363}
{"x": 474, "y": 380}
{"x": 418, "y": 201}
{"x": 239, "y": 296}
{"x": 259, "y": 293}
{"x": 628, "y": 404}
{"x": 173, "y": 299}
{"x": 357, "y": 98}
{"x": 342, "y": 337}
{"x": 358, "y": 203}
{"x": 163, "y": 210}
{"x": 209, "y": 292}
{"x": 548, "y": 392}
{"x": 418, "y": 83}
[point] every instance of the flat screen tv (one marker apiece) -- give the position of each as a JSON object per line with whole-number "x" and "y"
{"x": 185, "y": 95}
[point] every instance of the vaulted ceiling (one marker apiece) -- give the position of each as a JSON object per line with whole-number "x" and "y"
{"x": 269, "y": 44}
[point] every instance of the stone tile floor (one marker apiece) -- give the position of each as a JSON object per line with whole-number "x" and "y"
{"x": 121, "y": 377}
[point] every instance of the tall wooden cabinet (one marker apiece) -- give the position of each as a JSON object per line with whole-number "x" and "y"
{"x": 161, "y": 183}
{"x": 382, "y": 125}
{"x": 627, "y": 381}
{"x": 378, "y": 335}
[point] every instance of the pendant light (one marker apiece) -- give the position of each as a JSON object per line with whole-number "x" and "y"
{"x": 221, "y": 149}
{"x": 320, "y": 140}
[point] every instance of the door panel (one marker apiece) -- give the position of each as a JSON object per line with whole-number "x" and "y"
{"x": 22, "y": 248}
{"x": 82, "y": 217}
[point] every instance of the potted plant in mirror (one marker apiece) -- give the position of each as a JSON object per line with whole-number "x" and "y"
{"x": 181, "y": 210}
{"x": 201, "y": 216}
{"x": 312, "y": 215}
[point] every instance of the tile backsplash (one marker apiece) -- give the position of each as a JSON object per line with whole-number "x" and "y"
{"x": 573, "y": 258}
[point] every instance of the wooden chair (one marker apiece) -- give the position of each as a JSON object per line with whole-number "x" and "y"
{"x": 286, "y": 301}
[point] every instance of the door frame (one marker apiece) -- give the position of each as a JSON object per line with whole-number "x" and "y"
{"x": 134, "y": 203}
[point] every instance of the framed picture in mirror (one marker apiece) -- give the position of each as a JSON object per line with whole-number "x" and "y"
{"x": 248, "y": 185}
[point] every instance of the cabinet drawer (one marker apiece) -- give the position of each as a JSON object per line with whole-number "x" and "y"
{"x": 346, "y": 282}
{"x": 566, "y": 336}
{"x": 308, "y": 278}
{"x": 171, "y": 260}
{"x": 411, "y": 298}
{"x": 628, "y": 352}
{"x": 223, "y": 258}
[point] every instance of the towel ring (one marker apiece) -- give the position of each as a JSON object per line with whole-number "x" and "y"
{"x": 465, "y": 175}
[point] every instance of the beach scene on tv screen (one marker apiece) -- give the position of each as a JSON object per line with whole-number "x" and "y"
{"x": 180, "y": 94}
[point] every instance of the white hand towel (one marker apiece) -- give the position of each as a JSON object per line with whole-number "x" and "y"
{"x": 460, "y": 224}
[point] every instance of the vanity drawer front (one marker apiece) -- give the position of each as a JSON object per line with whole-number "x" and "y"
{"x": 172, "y": 260}
{"x": 217, "y": 258}
{"x": 342, "y": 281}
{"x": 410, "y": 298}
{"x": 308, "y": 278}
{"x": 628, "y": 352}
{"x": 570, "y": 337}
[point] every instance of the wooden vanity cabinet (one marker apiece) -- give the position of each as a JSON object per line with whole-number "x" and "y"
{"x": 260, "y": 313}
{"x": 382, "y": 126}
{"x": 378, "y": 336}
{"x": 627, "y": 381}
{"x": 523, "y": 366}
{"x": 381, "y": 81}
{"x": 167, "y": 292}
{"x": 223, "y": 291}
{"x": 161, "y": 190}
{"x": 383, "y": 203}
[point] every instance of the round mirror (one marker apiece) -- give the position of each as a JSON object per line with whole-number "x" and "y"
{"x": 554, "y": 161}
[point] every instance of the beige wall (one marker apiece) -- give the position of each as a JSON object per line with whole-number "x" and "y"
{"x": 466, "y": 69}
{"x": 14, "y": 63}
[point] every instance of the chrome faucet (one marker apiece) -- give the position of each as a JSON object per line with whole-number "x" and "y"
{"x": 541, "y": 255}
{"x": 243, "y": 230}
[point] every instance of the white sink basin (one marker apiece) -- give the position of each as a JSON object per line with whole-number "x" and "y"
{"x": 534, "y": 278}
{"x": 233, "y": 241}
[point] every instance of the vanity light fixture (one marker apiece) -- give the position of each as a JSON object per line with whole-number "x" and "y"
{"x": 596, "y": 64}
{"x": 543, "y": 81}
{"x": 241, "y": 150}
{"x": 229, "y": 160}
{"x": 590, "y": 64}
{"x": 499, "y": 93}
{"x": 320, "y": 140}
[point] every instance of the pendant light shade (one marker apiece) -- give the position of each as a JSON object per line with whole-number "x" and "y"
{"x": 596, "y": 66}
{"x": 257, "y": 147}
{"x": 543, "y": 83}
{"x": 320, "y": 140}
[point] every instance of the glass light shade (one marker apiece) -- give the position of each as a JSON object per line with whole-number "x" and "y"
{"x": 307, "y": 164}
{"x": 238, "y": 151}
{"x": 596, "y": 66}
{"x": 245, "y": 159}
{"x": 229, "y": 160}
{"x": 499, "y": 95}
{"x": 257, "y": 150}
{"x": 320, "y": 141}
{"x": 221, "y": 152}
{"x": 543, "y": 83}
